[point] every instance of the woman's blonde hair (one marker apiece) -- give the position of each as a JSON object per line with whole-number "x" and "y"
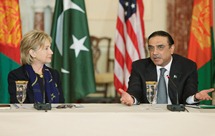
{"x": 34, "y": 40}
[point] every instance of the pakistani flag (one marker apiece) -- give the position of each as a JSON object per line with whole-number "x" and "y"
{"x": 72, "y": 50}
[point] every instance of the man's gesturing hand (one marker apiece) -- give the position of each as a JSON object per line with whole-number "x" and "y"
{"x": 126, "y": 98}
{"x": 203, "y": 95}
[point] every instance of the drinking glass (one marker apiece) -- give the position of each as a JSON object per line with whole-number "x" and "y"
{"x": 21, "y": 87}
{"x": 151, "y": 91}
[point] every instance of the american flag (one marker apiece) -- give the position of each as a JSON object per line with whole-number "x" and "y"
{"x": 129, "y": 40}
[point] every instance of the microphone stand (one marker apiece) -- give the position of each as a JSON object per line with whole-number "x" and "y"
{"x": 43, "y": 106}
{"x": 175, "y": 107}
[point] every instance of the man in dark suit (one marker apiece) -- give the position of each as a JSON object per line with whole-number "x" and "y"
{"x": 180, "y": 74}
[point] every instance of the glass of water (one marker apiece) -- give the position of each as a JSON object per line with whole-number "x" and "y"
{"x": 21, "y": 87}
{"x": 151, "y": 91}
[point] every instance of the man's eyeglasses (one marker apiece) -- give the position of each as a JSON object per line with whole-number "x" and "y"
{"x": 158, "y": 47}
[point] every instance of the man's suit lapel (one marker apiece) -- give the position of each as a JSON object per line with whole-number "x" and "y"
{"x": 151, "y": 73}
{"x": 173, "y": 85}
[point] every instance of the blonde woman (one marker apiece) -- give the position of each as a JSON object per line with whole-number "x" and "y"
{"x": 44, "y": 84}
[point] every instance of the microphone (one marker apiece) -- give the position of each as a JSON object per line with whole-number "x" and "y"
{"x": 43, "y": 106}
{"x": 177, "y": 106}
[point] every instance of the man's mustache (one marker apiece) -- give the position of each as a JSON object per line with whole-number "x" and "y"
{"x": 156, "y": 56}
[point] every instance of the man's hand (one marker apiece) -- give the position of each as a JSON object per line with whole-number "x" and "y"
{"x": 126, "y": 98}
{"x": 203, "y": 95}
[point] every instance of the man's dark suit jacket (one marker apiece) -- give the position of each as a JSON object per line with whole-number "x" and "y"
{"x": 183, "y": 73}
{"x": 20, "y": 74}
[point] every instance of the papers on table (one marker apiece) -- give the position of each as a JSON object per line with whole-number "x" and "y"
{"x": 4, "y": 106}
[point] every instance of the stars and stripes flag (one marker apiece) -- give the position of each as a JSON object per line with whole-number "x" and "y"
{"x": 129, "y": 40}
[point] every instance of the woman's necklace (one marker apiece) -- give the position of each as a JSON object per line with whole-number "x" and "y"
{"x": 41, "y": 75}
